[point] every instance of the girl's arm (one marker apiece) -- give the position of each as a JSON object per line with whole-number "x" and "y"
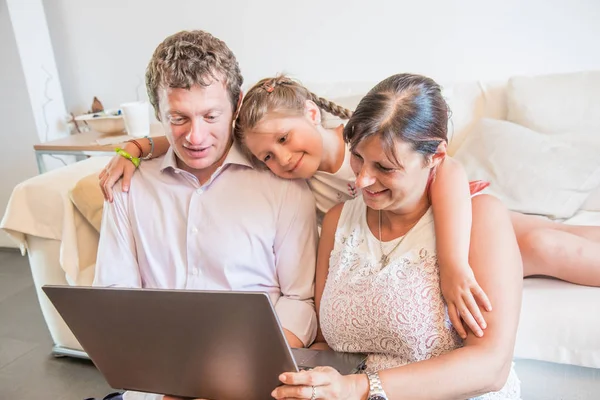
{"x": 451, "y": 201}
{"x": 121, "y": 167}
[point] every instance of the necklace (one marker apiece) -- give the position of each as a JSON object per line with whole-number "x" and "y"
{"x": 385, "y": 258}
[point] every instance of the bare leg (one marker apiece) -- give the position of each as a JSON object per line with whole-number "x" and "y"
{"x": 524, "y": 223}
{"x": 567, "y": 252}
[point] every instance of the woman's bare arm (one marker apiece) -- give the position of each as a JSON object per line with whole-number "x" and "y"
{"x": 326, "y": 242}
{"x": 483, "y": 364}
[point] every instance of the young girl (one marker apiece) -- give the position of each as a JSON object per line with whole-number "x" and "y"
{"x": 279, "y": 126}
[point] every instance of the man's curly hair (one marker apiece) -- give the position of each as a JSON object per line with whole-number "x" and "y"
{"x": 190, "y": 58}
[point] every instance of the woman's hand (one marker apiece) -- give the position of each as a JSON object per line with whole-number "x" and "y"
{"x": 463, "y": 296}
{"x": 322, "y": 383}
{"x": 118, "y": 167}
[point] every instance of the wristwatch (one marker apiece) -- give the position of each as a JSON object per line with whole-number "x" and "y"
{"x": 375, "y": 389}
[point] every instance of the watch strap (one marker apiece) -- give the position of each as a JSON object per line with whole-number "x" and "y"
{"x": 375, "y": 387}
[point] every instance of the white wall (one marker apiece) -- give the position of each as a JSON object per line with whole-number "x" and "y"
{"x": 102, "y": 47}
{"x": 17, "y": 125}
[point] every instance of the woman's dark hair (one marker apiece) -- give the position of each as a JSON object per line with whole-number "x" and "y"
{"x": 403, "y": 107}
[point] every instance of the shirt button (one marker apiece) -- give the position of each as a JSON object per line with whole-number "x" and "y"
{"x": 194, "y": 230}
{"x": 194, "y": 271}
{"x": 200, "y": 190}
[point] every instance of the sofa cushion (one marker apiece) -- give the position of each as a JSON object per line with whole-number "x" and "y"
{"x": 41, "y": 207}
{"x": 592, "y": 203}
{"x": 468, "y": 103}
{"x": 531, "y": 172}
{"x": 87, "y": 198}
{"x": 556, "y": 103}
{"x": 585, "y": 218}
{"x": 559, "y": 323}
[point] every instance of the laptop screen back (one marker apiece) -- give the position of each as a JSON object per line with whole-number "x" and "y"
{"x": 225, "y": 345}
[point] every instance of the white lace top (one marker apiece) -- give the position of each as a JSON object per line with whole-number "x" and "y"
{"x": 396, "y": 314}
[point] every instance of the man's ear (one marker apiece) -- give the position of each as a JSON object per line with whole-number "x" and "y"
{"x": 240, "y": 101}
{"x": 239, "y": 104}
{"x": 237, "y": 109}
{"x": 439, "y": 155}
{"x": 312, "y": 112}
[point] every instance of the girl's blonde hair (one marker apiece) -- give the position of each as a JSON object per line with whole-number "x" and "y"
{"x": 278, "y": 94}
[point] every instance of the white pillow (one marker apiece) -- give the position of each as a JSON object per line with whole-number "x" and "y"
{"x": 469, "y": 102}
{"x": 592, "y": 203}
{"x": 558, "y": 103}
{"x": 530, "y": 172}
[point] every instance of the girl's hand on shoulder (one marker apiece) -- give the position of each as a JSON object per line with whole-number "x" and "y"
{"x": 464, "y": 296}
{"x": 118, "y": 167}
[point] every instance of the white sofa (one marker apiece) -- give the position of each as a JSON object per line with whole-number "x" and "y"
{"x": 60, "y": 243}
{"x": 558, "y": 344}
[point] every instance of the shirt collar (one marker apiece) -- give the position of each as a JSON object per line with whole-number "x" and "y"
{"x": 234, "y": 156}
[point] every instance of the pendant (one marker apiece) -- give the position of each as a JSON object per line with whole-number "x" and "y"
{"x": 384, "y": 260}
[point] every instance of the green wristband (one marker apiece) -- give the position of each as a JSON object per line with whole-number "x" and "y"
{"x": 123, "y": 153}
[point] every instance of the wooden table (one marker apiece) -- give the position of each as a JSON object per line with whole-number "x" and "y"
{"x": 84, "y": 145}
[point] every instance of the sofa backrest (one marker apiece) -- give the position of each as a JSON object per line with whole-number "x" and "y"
{"x": 468, "y": 102}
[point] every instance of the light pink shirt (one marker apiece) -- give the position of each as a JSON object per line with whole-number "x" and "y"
{"x": 243, "y": 230}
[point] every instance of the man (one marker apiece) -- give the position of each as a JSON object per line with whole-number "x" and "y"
{"x": 201, "y": 217}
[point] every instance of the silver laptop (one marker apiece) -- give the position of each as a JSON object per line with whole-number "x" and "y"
{"x": 199, "y": 344}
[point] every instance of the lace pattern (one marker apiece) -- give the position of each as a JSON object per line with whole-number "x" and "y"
{"x": 395, "y": 314}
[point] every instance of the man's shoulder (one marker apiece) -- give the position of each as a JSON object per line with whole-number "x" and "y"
{"x": 148, "y": 170}
{"x": 148, "y": 173}
{"x": 155, "y": 164}
{"x": 266, "y": 177}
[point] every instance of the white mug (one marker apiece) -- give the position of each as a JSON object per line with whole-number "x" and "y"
{"x": 137, "y": 118}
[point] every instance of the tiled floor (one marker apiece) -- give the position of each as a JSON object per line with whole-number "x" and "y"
{"x": 27, "y": 369}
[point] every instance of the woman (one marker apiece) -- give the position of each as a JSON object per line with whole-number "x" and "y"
{"x": 377, "y": 283}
